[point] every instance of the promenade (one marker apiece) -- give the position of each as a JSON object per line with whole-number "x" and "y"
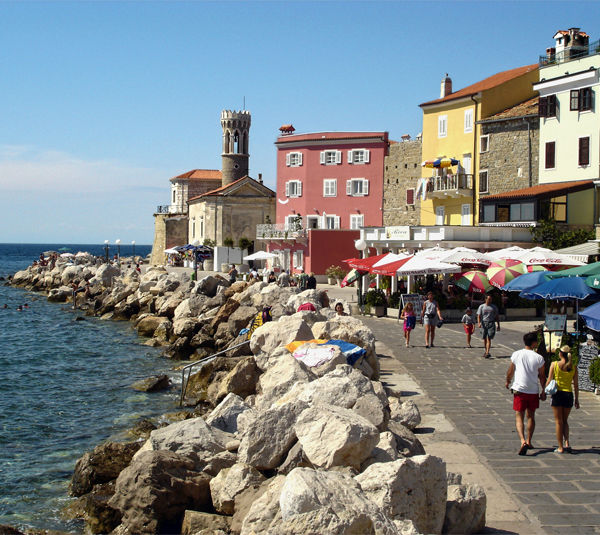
{"x": 468, "y": 420}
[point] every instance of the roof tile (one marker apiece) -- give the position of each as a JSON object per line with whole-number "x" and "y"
{"x": 541, "y": 189}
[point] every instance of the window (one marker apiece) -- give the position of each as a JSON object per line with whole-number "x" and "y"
{"x": 173, "y": 201}
{"x": 442, "y": 126}
{"x": 357, "y": 187}
{"x": 547, "y": 106}
{"x": 484, "y": 143}
{"x": 527, "y": 211}
{"x": 332, "y": 222}
{"x": 468, "y": 121}
{"x": 483, "y": 181}
{"x": 329, "y": 187}
{"x": 584, "y": 151}
{"x": 356, "y": 221}
{"x": 358, "y": 156}
{"x": 298, "y": 259}
{"x": 312, "y": 221}
{"x": 290, "y": 222}
{"x": 293, "y": 188}
{"x": 293, "y": 159}
{"x": 410, "y": 196}
{"x": 550, "y": 155}
{"x": 489, "y": 213}
{"x": 331, "y": 157}
{"x": 440, "y": 214}
{"x": 581, "y": 99}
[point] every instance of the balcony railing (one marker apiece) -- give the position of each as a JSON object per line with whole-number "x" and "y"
{"x": 571, "y": 54}
{"x": 170, "y": 209}
{"x": 452, "y": 185}
{"x": 279, "y": 231}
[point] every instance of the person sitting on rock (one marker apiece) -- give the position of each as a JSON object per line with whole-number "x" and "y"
{"x": 272, "y": 277}
{"x": 339, "y": 308}
{"x": 232, "y": 274}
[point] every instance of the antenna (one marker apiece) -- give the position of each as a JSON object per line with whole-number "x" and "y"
{"x": 244, "y": 103}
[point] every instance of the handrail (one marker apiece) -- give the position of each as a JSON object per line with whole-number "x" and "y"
{"x": 204, "y": 360}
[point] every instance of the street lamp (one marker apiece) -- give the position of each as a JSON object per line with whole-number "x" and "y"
{"x": 195, "y": 243}
{"x": 118, "y": 242}
{"x": 133, "y": 245}
{"x": 360, "y": 245}
{"x": 106, "y": 250}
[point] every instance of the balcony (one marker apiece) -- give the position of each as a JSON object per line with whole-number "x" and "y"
{"x": 570, "y": 54}
{"x": 279, "y": 231}
{"x": 450, "y": 186}
{"x": 170, "y": 209}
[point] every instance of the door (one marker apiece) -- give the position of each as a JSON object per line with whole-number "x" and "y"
{"x": 439, "y": 215}
{"x": 466, "y": 214}
{"x": 467, "y": 163}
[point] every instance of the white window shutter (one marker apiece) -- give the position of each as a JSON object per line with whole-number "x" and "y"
{"x": 337, "y": 221}
{"x": 365, "y": 187}
{"x": 300, "y": 155}
{"x": 350, "y": 156}
{"x": 335, "y": 188}
{"x": 287, "y": 189}
{"x": 299, "y": 188}
{"x": 338, "y": 156}
{"x": 324, "y": 188}
{"x": 322, "y": 157}
{"x": 287, "y": 159}
{"x": 348, "y": 187}
{"x": 367, "y": 155}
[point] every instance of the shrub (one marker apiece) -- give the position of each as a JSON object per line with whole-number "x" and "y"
{"x": 394, "y": 300}
{"x": 335, "y": 272}
{"x": 228, "y": 241}
{"x": 208, "y": 242}
{"x": 375, "y": 297}
{"x": 244, "y": 243}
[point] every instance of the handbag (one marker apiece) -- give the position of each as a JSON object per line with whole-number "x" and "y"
{"x": 552, "y": 387}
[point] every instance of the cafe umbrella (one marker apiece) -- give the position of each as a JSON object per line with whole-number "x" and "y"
{"x": 501, "y": 272}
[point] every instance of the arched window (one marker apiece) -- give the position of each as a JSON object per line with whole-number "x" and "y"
{"x": 236, "y": 142}
{"x": 226, "y": 142}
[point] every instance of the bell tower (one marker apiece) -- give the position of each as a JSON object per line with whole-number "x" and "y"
{"x": 234, "y": 159}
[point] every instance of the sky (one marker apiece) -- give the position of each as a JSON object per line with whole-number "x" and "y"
{"x": 103, "y": 102}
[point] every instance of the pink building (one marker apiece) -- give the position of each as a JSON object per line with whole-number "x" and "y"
{"x": 329, "y": 184}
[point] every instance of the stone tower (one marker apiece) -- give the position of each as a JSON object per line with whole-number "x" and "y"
{"x": 236, "y": 129}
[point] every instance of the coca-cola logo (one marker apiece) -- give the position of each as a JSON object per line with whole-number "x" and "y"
{"x": 545, "y": 261}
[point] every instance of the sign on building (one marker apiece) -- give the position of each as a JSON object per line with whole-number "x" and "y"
{"x": 397, "y": 233}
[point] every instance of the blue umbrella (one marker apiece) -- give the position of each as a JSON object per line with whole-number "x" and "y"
{"x": 526, "y": 281}
{"x": 563, "y": 288}
{"x": 591, "y": 315}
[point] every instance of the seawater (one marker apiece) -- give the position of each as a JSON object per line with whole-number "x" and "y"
{"x": 64, "y": 388}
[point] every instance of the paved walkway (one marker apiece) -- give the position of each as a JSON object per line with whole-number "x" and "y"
{"x": 469, "y": 421}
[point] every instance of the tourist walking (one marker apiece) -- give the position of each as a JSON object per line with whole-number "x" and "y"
{"x": 525, "y": 370}
{"x": 567, "y": 381}
{"x": 468, "y": 325}
{"x": 487, "y": 319}
{"x": 302, "y": 280}
{"x": 410, "y": 321}
{"x": 430, "y": 317}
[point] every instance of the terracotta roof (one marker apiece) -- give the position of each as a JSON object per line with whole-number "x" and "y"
{"x": 523, "y": 109}
{"x": 565, "y": 32}
{"x": 318, "y": 136}
{"x": 542, "y": 190}
{"x": 221, "y": 190}
{"x": 487, "y": 83}
{"x": 201, "y": 174}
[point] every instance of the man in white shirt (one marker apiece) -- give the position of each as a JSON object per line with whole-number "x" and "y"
{"x": 526, "y": 368}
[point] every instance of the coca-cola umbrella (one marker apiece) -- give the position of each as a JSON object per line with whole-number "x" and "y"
{"x": 473, "y": 281}
{"x": 352, "y": 276}
{"x": 501, "y": 272}
{"x": 546, "y": 257}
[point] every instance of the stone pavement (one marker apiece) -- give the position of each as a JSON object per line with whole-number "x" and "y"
{"x": 468, "y": 420}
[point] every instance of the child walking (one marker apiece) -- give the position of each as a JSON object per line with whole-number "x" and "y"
{"x": 468, "y": 325}
{"x": 410, "y": 320}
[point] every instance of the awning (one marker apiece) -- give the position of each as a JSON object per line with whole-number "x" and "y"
{"x": 363, "y": 264}
{"x": 582, "y": 251}
{"x": 540, "y": 191}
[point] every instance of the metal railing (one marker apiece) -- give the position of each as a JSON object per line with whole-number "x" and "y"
{"x": 188, "y": 368}
{"x": 170, "y": 209}
{"x": 279, "y": 231}
{"x": 570, "y": 54}
{"x": 451, "y": 182}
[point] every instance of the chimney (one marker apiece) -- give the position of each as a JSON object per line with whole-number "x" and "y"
{"x": 550, "y": 53}
{"x": 446, "y": 88}
{"x": 260, "y": 178}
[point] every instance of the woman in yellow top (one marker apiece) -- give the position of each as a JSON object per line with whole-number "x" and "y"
{"x": 565, "y": 375}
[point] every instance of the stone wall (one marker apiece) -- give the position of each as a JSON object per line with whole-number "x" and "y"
{"x": 401, "y": 172}
{"x": 169, "y": 231}
{"x": 513, "y": 153}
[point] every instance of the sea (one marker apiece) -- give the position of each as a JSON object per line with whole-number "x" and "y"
{"x": 65, "y": 387}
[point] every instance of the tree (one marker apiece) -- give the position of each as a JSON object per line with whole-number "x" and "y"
{"x": 548, "y": 234}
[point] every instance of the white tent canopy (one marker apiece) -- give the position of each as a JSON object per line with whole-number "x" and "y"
{"x": 171, "y": 251}
{"x": 260, "y": 255}
{"x": 425, "y": 266}
{"x": 508, "y": 253}
{"x": 541, "y": 256}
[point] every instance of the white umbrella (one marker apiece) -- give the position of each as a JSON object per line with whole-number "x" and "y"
{"x": 260, "y": 255}
{"x": 425, "y": 266}
{"x": 67, "y": 255}
{"x": 171, "y": 251}
{"x": 433, "y": 253}
{"x": 508, "y": 253}
{"x": 81, "y": 254}
{"x": 540, "y": 256}
{"x": 464, "y": 255}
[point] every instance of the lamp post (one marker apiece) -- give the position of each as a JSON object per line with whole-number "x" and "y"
{"x": 118, "y": 242}
{"x": 195, "y": 243}
{"x": 106, "y": 250}
{"x": 133, "y": 245}
{"x": 360, "y": 245}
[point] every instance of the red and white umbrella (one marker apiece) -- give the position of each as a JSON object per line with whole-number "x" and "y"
{"x": 471, "y": 281}
{"x": 502, "y": 272}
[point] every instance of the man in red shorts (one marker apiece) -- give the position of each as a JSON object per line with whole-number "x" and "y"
{"x": 526, "y": 368}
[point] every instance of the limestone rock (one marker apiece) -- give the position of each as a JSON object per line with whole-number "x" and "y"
{"x": 219, "y": 461}
{"x": 147, "y": 325}
{"x": 278, "y": 379}
{"x": 465, "y": 509}
{"x": 94, "y": 509}
{"x": 207, "y": 286}
{"x": 190, "y": 307}
{"x": 334, "y": 436}
{"x": 413, "y": 489}
{"x": 195, "y": 522}
{"x": 226, "y": 310}
{"x": 231, "y": 482}
{"x": 105, "y": 274}
{"x": 275, "y": 334}
{"x": 199, "y": 383}
{"x": 59, "y": 295}
{"x": 242, "y": 380}
{"x": 406, "y": 413}
{"x": 264, "y": 511}
{"x": 155, "y": 490}
{"x": 152, "y": 384}
{"x": 294, "y": 459}
{"x": 101, "y": 465}
{"x": 369, "y": 406}
{"x": 184, "y": 327}
{"x": 235, "y": 288}
{"x": 169, "y": 305}
{"x": 240, "y": 319}
{"x": 307, "y": 296}
{"x": 384, "y": 452}
{"x": 70, "y": 274}
{"x": 225, "y": 415}
{"x": 406, "y": 442}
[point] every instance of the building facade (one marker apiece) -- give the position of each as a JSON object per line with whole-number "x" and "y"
{"x": 401, "y": 165}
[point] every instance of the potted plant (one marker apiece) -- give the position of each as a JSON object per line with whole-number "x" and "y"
{"x": 594, "y": 372}
{"x": 376, "y": 301}
{"x": 228, "y": 241}
{"x": 244, "y": 243}
{"x": 334, "y": 273}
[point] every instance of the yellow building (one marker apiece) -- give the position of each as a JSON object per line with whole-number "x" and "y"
{"x": 450, "y": 196}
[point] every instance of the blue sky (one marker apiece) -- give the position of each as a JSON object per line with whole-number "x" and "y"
{"x": 103, "y": 102}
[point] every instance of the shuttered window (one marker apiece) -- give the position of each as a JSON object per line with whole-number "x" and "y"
{"x": 584, "y": 151}
{"x": 547, "y": 106}
{"x": 410, "y": 196}
{"x": 550, "y": 155}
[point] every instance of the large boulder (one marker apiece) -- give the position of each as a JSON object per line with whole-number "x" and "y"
{"x": 169, "y": 304}
{"x": 307, "y": 296}
{"x": 230, "y": 306}
{"x": 413, "y": 489}
{"x": 59, "y": 295}
{"x": 240, "y": 319}
{"x": 351, "y": 330}
{"x": 278, "y": 379}
{"x": 207, "y": 286}
{"x": 94, "y": 509}
{"x": 465, "y": 509}
{"x": 101, "y": 465}
{"x": 385, "y": 451}
{"x": 242, "y": 380}
{"x": 334, "y": 436}
{"x": 190, "y": 307}
{"x": 70, "y": 274}
{"x": 148, "y": 324}
{"x": 152, "y": 384}
{"x": 230, "y": 482}
{"x": 264, "y": 511}
{"x": 155, "y": 490}
{"x": 319, "y": 502}
{"x": 407, "y": 444}
{"x": 275, "y": 334}
{"x": 225, "y": 415}
{"x": 203, "y": 385}
{"x": 196, "y": 522}
{"x": 405, "y": 412}
{"x": 105, "y": 274}
{"x": 266, "y": 437}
